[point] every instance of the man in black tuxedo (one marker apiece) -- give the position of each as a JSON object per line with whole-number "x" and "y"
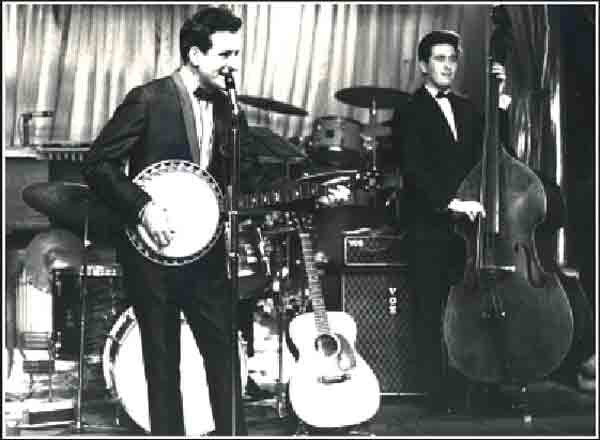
{"x": 184, "y": 116}
{"x": 441, "y": 135}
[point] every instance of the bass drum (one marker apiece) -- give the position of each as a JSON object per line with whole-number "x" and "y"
{"x": 124, "y": 375}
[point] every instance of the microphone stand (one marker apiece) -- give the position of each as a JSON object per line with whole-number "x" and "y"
{"x": 233, "y": 241}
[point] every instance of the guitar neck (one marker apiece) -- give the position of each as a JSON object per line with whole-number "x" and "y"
{"x": 314, "y": 284}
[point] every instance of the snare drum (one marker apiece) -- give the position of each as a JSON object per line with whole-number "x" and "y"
{"x": 105, "y": 301}
{"x": 125, "y": 376}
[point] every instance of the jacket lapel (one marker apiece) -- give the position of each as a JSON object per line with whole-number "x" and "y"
{"x": 434, "y": 109}
{"x": 188, "y": 116}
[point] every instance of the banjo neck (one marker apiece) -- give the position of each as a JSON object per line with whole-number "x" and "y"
{"x": 301, "y": 190}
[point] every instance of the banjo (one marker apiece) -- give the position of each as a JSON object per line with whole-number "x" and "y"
{"x": 198, "y": 226}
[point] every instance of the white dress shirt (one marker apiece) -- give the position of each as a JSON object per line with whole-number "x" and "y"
{"x": 446, "y": 108}
{"x": 203, "y": 116}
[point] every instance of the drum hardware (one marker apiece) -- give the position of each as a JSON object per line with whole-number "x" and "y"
{"x": 78, "y": 426}
{"x": 373, "y": 98}
{"x": 280, "y": 387}
{"x": 253, "y": 267}
{"x": 284, "y": 302}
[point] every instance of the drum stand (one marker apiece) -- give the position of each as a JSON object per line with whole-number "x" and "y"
{"x": 78, "y": 426}
{"x": 280, "y": 391}
{"x": 278, "y": 280}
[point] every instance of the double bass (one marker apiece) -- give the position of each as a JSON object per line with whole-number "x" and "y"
{"x": 508, "y": 320}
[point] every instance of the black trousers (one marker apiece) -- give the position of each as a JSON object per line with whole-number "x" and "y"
{"x": 202, "y": 291}
{"x": 437, "y": 260}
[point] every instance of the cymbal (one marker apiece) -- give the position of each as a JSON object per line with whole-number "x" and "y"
{"x": 262, "y": 142}
{"x": 55, "y": 249}
{"x": 271, "y": 105}
{"x": 66, "y": 203}
{"x": 366, "y": 96}
{"x": 330, "y": 177}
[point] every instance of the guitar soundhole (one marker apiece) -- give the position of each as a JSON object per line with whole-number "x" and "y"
{"x": 327, "y": 345}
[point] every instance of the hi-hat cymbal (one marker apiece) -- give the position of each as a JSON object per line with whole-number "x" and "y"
{"x": 367, "y": 96}
{"x": 271, "y": 105}
{"x": 67, "y": 203}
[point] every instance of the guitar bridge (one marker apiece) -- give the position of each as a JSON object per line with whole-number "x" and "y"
{"x": 334, "y": 379}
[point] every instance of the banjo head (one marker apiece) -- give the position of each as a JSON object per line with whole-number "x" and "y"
{"x": 196, "y": 210}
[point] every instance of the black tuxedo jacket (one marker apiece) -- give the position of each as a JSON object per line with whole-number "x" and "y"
{"x": 433, "y": 163}
{"x": 155, "y": 122}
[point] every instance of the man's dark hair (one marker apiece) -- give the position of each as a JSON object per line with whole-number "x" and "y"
{"x": 437, "y": 37}
{"x": 197, "y": 30}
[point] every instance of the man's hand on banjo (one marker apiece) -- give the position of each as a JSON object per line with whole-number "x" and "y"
{"x": 155, "y": 220}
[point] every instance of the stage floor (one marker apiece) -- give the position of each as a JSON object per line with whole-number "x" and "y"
{"x": 556, "y": 409}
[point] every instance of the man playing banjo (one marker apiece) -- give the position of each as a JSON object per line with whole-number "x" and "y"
{"x": 177, "y": 126}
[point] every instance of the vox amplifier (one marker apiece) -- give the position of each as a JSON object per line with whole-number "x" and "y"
{"x": 381, "y": 301}
{"x": 377, "y": 251}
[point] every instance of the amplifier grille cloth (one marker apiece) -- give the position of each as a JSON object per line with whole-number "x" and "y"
{"x": 385, "y": 340}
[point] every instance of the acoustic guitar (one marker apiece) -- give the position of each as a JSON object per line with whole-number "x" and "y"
{"x": 331, "y": 385}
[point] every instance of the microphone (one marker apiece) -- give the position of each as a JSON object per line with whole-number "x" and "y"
{"x": 227, "y": 72}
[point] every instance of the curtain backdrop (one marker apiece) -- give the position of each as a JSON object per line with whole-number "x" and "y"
{"x": 538, "y": 98}
{"x": 81, "y": 60}
{"x": 536, "y": 79}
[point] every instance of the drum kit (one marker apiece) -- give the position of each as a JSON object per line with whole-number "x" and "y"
{"x": 92, "y": 320}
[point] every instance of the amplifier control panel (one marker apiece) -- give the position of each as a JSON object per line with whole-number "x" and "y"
{"x": 376, "y": 250}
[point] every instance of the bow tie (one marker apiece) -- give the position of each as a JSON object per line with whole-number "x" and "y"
{"x": 446, "y": 94}
{"x": 206, "y": 95}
